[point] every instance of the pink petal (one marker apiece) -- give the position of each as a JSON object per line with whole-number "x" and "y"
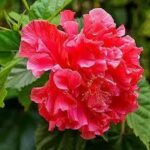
{"x": 41, "y": 36}
{"x": 38, "y": 95}
{"x": 40, "y": 62}
{"x": 114, "y": 57}
{"x": 86, "y": 63}
{"x": 121, "y": 31}
{"x": 66, "y": 15}
{"x": 71, "y": 27}
{"x": 67, "y": 79}
{"x": 68, "y": 22}
{"x": 63, "y": 103}
{"x": 100, "y": 15}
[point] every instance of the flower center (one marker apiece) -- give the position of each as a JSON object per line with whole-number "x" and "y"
{"x": 97, "y": 94}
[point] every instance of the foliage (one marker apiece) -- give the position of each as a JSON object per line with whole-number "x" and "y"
{"x": 139, "y": 121}
{"x": 47, "y": 9}
{"x": 19, "y": 77}
{"x": 66, "y": 140}
{"x": 18, "y": 121}
{"x": 3, "y": 76}
{"x": 9, "y": 43}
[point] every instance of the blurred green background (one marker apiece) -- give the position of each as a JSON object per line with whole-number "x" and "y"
{"x": 17, "y": 126}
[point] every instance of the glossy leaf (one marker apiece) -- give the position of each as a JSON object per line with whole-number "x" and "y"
{"x": 20, "y": 19}
{"x": 140, "y": 120}
{"x": 24, "y": 97}
{"x": 20, "y": 77}
{"x": 9, "y": 44}
{"x": 24, "y": 94}
{"x": 47, "y": 9}
{"x": 4, "y": 72}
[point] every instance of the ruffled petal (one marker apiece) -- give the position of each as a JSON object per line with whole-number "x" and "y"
{"x": 67, "y": 79}
{"x": 39, "y": 41}
{"x": 40, "y": 62}
{"x": 66, "y": 15}
{"x": 71, "y": 27}
{"x": 68, "y": 22}
{"x": 39, "y": 94}
{"x": 100, "y": 15}
{"x": 121, "y": 31}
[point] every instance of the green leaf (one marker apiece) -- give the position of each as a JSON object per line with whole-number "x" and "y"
{"x": 5, "y": 57}
{"x": 9, "y": 44}
{"x": 11, "y": 94}
{"x": 20, "y": 77}
{"x": 3, "y": 93}
{"x": 57, "y": 140}
{"x": 21, "y": 19}
{"x": 24, "y": 94}
{"x": 139, "y": 121}
{"x": 55, "y": 20}
{"x": 4, "y": 72}
{"x": 14, "y": 15}
{"x": 114, "y": 140}
{"x": 9, "y": 40}
{"x": 24, "y": 97}
{"x": 47, "y": 9}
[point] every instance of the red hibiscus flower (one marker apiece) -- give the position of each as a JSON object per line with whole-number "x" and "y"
{"x": 94, "y": 72}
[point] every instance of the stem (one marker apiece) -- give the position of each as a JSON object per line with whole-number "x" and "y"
{"x": 122, "y": 128}
{"x": 26, "y": 5}
{"x": 21, "y": 19}
{"x": 105, "y": 139}
{"x": 3, "y": 28}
